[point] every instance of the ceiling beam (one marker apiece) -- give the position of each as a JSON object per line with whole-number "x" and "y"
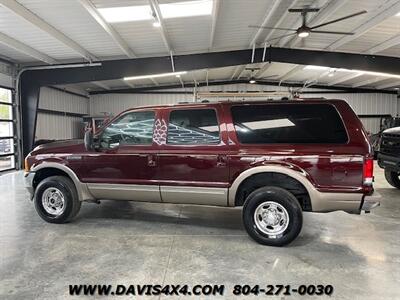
{"x": 281, "y": 20}
{"x": 235, "y": 71}
{"x": 385, "y": 45}
{"x": 369, "y": 81}
{"x": 227, "y": 82}
{"x": 262, "y": 70}
{"x": 242, "y": 69}
{"x": 102, "y": 85}
{"x": 321, "y": 75}
{"x": 267, "y": 18}
{"x": 23, "y": 48}
{"x": 389, "y": 9}
{"x": 315, "y": 80}
{"x": 345, "y": 78}
{"x": 154, "y": 81}
{"x": 121, "y": 43}
{"x": 117, "y": 69}
{"x": 214, "y": 18}
{"x": 328, "y": 10}
{"x": 128, "y": 83}
{"x": 388, "y": 85}
{"x": 164, "y": 35}
{"x": 33, "y": 19}
{"x": 292, "y": 72}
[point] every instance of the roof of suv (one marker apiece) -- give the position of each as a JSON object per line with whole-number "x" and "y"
{"x": 236, "y": 102}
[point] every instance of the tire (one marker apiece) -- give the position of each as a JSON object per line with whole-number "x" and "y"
{"x": 393, "y": 178}
{"x": 277, "y": 205}
{"x": 60, "y": 191}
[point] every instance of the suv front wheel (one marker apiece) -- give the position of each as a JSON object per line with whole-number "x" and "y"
{"x": 272, "y": 216}
{"x": 56, "y": 199}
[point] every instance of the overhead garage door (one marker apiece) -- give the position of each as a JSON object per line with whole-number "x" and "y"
{"x": 7, "y": 131}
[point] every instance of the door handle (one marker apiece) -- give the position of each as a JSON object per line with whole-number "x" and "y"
{"x": 221, "y": 161}
{"x": 151, "y": 160}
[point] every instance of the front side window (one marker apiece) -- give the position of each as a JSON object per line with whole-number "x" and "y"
{"x": 288, "y": 123}
{"x": 193, "y": 127}
{"x": 135, "y": 128}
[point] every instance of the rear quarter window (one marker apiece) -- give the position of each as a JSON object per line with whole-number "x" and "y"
{"x": 193, "y": 127}
{"x": 288, "y": 123}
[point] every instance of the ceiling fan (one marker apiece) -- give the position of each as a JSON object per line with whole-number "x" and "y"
{"x": 304, "y": 30}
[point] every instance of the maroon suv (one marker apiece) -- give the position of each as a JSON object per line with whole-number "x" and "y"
{"x": 274, "y": 158}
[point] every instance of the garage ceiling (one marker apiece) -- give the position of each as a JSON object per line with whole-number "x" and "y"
{"x": 58, "y": 31}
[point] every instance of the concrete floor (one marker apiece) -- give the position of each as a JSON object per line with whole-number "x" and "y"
{"x": 139, "y": 243}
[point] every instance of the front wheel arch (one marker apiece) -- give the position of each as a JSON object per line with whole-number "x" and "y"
{"x": 44, "y": 173}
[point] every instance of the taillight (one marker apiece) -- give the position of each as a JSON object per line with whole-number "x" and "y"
{"x": 368, "y": 171}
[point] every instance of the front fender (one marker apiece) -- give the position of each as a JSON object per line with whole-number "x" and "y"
{"x": 81, "y": 188}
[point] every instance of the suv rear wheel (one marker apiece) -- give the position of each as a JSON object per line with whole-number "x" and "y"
{"x": 272, "y": 216}
{"x": 393, "y": 178}
{"x": 56, "y": 199}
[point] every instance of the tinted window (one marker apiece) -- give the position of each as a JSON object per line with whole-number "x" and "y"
{"x": 288, "y": 123}
{"x": 135, "y": 128}
{"x": 193, "y": 126}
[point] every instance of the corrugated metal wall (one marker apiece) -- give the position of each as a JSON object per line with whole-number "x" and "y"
{"x": 53, "y": 126}
{"x": 373, "y": 103}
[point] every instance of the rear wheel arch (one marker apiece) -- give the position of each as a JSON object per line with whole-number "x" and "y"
{"x": 275, "y": 179}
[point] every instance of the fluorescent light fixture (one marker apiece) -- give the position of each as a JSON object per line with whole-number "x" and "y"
{"x": 321, "y": 68}
{"x": 154, "y": 75}
{"x": 186, "y": 9}
{"x": 317, "y": 68}
{"x": 126, "y": 13}
{"x": 269, "y": 124}
{"x": 156, "y": 24}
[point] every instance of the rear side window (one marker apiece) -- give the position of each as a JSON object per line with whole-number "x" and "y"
{"x": 192, "y": 127}
{"x": 288, "y": 123}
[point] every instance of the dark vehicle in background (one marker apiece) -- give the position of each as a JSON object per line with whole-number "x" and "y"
{"x": 386, "y": 122}
{"x": 276, "y": 159}
{"x": 389, "y": 155}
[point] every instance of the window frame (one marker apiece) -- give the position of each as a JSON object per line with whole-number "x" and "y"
{"x": 172, "y": 109}
{"x": 117, "y": 118}
{"x": 298, "y": 144}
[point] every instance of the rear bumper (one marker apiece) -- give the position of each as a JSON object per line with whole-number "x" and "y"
{"x": 28, "y": 182}
{"x": 389, "y": 162}
{"x": 352, "y": 203}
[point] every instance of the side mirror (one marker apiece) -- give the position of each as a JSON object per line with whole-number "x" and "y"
{"x": 88, "y": 140}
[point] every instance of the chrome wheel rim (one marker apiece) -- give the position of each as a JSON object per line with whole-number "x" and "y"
{"x": 271, "y": 218}
{"x": 53, "y": 201}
